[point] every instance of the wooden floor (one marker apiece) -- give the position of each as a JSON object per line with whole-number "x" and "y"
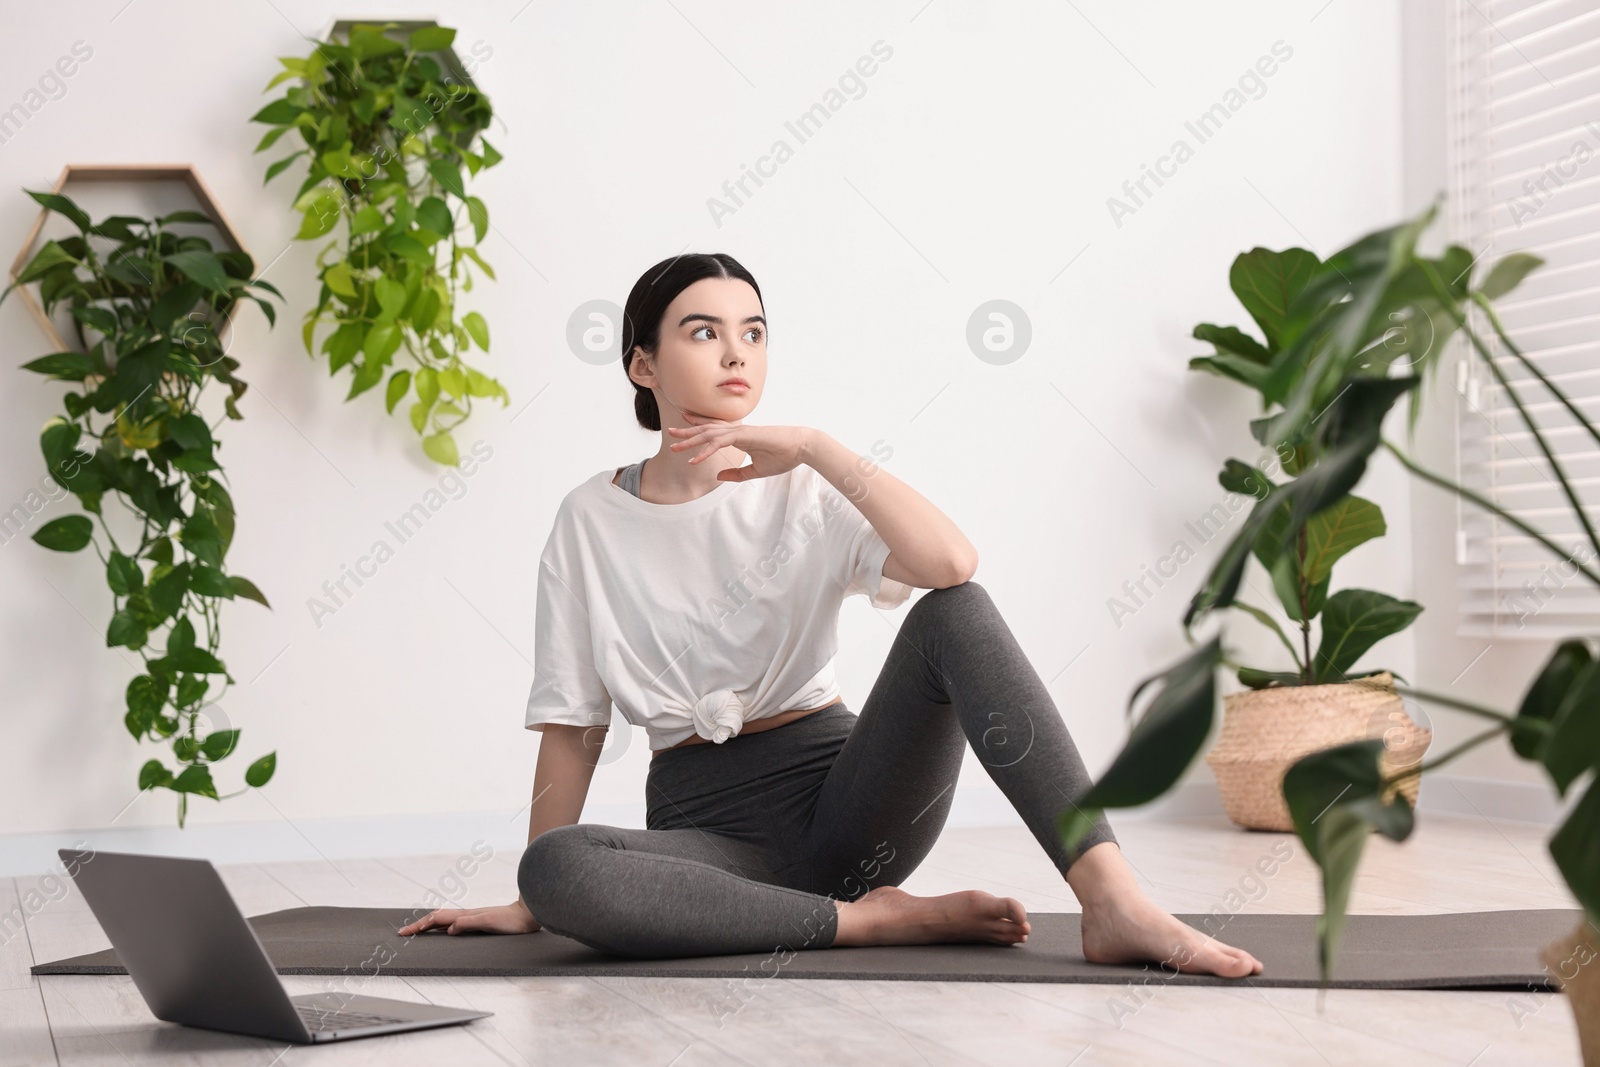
{"x": 1187, "y": 865}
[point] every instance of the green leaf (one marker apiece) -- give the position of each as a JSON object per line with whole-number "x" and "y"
{"x": 145, "y": 697}
{"x": 167, "y": 590}
{"x": 381, "y": 342}
{"x": 477, "y": 328}
{"x": 181, "y": 637}
{"x": 175, "y": 304}
{"x": 51, "y": 256}
{"x": 153, "y": 774}
{"x": 190, "y": 431}
{"x": 1333, "y": 797}
{"x": 270, "y": 138}
{"x": 1335, "y": 530}
{"x": 430, "y": 39}
{"x": 69, "y": 533}
{"x": 1238, "y": 476}
{"x": 1266, "y": 283}
{"x": 260, "y": 772}
{"x": 427, "y": 385}
{"x": 1508, "y": 273}
{"x": 196, "y": 779}
{"x": 1231, "y": 339}
{"x": 367, "y": 375}
{"x": 343, "y": 344}
{"x": 244, "y": 587}
{"x": 419, "y": 415}
{"x": 1353, "y": 620}
{"x": 186, "y": 216}
{"x": 441, "y": 448}
{"x": 472, "y": 254}
{"x": 219, "y": 744}
{"x": 280, "y": 165}
{"x": 337, "y": 278}
{"x": 391, "y": 299}
{"x": 480, "y": 384}
{"x": 202, "y": 538}
{"x": 203, "y": 267}
{"x": 1574, "y": 745}
{"x": 368, "y": 220}
{"x": 1227, "y": 365}
{"x": 62, "y": 366}
{"x": 448, "y": 176}
{"x": 125, "y": 629}
{"x": 453, "y": 382}
{"x": 123, "y": 574}
{"x": 65, "y": 207}
{"x": 195, "y": 661}
{"x": 1352, "y": 425}
{"x": 1286, "y": 584}
{"x": 1160, "y": 746}
{"x": 491, "y": 155}
{"x": 1544, "y": 697}
{"x": 1263, "y": 679}
{"x": 425, "y": 311}
{"x": 210, "y": 581}
{"x": 434, "y": 215}
{"x": 1573, "y": 849}
{"x": 479, "y": 214}
{"x": 399, "y": 386}
{"x": 277, "y": 113}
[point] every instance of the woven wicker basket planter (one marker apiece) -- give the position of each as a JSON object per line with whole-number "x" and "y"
{"x": 1264, "y": 731}
{"x": 1574, "y": 961}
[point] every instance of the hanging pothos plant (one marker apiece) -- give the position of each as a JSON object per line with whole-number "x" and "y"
{"x": 386, "y": 135}
{"x": 145, "y": 309}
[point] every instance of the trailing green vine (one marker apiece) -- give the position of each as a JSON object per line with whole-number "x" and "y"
{"x": 386, "y": 135}
{"x": 145, "y": 315}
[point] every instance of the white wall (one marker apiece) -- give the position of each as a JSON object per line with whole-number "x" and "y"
{"x": 976, "y": 165}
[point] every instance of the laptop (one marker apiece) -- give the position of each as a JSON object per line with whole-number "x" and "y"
{"x": 197, "y": 961}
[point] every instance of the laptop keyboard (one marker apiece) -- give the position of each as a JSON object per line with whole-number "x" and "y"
{"x": 319, "y": 1019}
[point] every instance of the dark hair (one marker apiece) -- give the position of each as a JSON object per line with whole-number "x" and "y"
{"x": 647, "y": 304}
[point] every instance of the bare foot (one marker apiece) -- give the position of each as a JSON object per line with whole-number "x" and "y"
{"x": 1121, "y": 924}
{"x": 1140, "y": 931}
{"x": 889, "y": 915}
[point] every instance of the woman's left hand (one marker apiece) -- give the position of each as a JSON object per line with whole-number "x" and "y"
{"x": 772, "y": 449}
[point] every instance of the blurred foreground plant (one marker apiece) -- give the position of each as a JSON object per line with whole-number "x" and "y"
{"x": 1332, "y": 377}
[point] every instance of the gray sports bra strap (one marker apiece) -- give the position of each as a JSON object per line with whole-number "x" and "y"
{"x": 630, "y": 478}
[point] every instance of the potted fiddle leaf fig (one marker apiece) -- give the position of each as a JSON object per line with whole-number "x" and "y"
{"x": 1337, "y": 796}
{"x": 147, "y": 300}
{"x": 387, "y": 133}
{"x": 1285, "y": 714}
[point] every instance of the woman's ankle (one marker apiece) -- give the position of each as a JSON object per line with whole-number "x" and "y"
{"x": 1101, "y": 877}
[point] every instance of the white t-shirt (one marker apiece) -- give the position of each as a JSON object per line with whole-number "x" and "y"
{"x": 701, "y": 616}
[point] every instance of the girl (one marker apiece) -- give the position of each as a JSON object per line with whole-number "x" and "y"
{"x": 699, "y": 591}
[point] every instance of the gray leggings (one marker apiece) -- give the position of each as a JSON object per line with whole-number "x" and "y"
{"x": 751, "y": 841}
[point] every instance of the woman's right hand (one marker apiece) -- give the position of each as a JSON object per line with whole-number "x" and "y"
{"x": 512, "y": 918}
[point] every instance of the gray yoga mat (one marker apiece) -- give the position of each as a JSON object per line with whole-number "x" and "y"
{"x": 1465, "y": 950}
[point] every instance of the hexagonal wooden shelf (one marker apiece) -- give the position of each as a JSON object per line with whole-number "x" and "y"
{"x": 126, "y": 172}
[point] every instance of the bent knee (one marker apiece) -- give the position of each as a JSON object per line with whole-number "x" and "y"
{"x": 956, "y": 599}
{"x": 548, "y": 864}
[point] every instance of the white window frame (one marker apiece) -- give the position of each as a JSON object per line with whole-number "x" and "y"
{"x": 1523, "y": 151}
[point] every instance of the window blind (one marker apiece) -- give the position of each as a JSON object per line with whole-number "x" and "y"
{"x": 1524, "y": 158}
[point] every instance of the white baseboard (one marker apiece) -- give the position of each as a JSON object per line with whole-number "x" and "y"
{"x": 976, "y": 804}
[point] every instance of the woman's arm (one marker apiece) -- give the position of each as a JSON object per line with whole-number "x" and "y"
{"x": 567, "y": 758}
{"x": 926, "y": 549}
